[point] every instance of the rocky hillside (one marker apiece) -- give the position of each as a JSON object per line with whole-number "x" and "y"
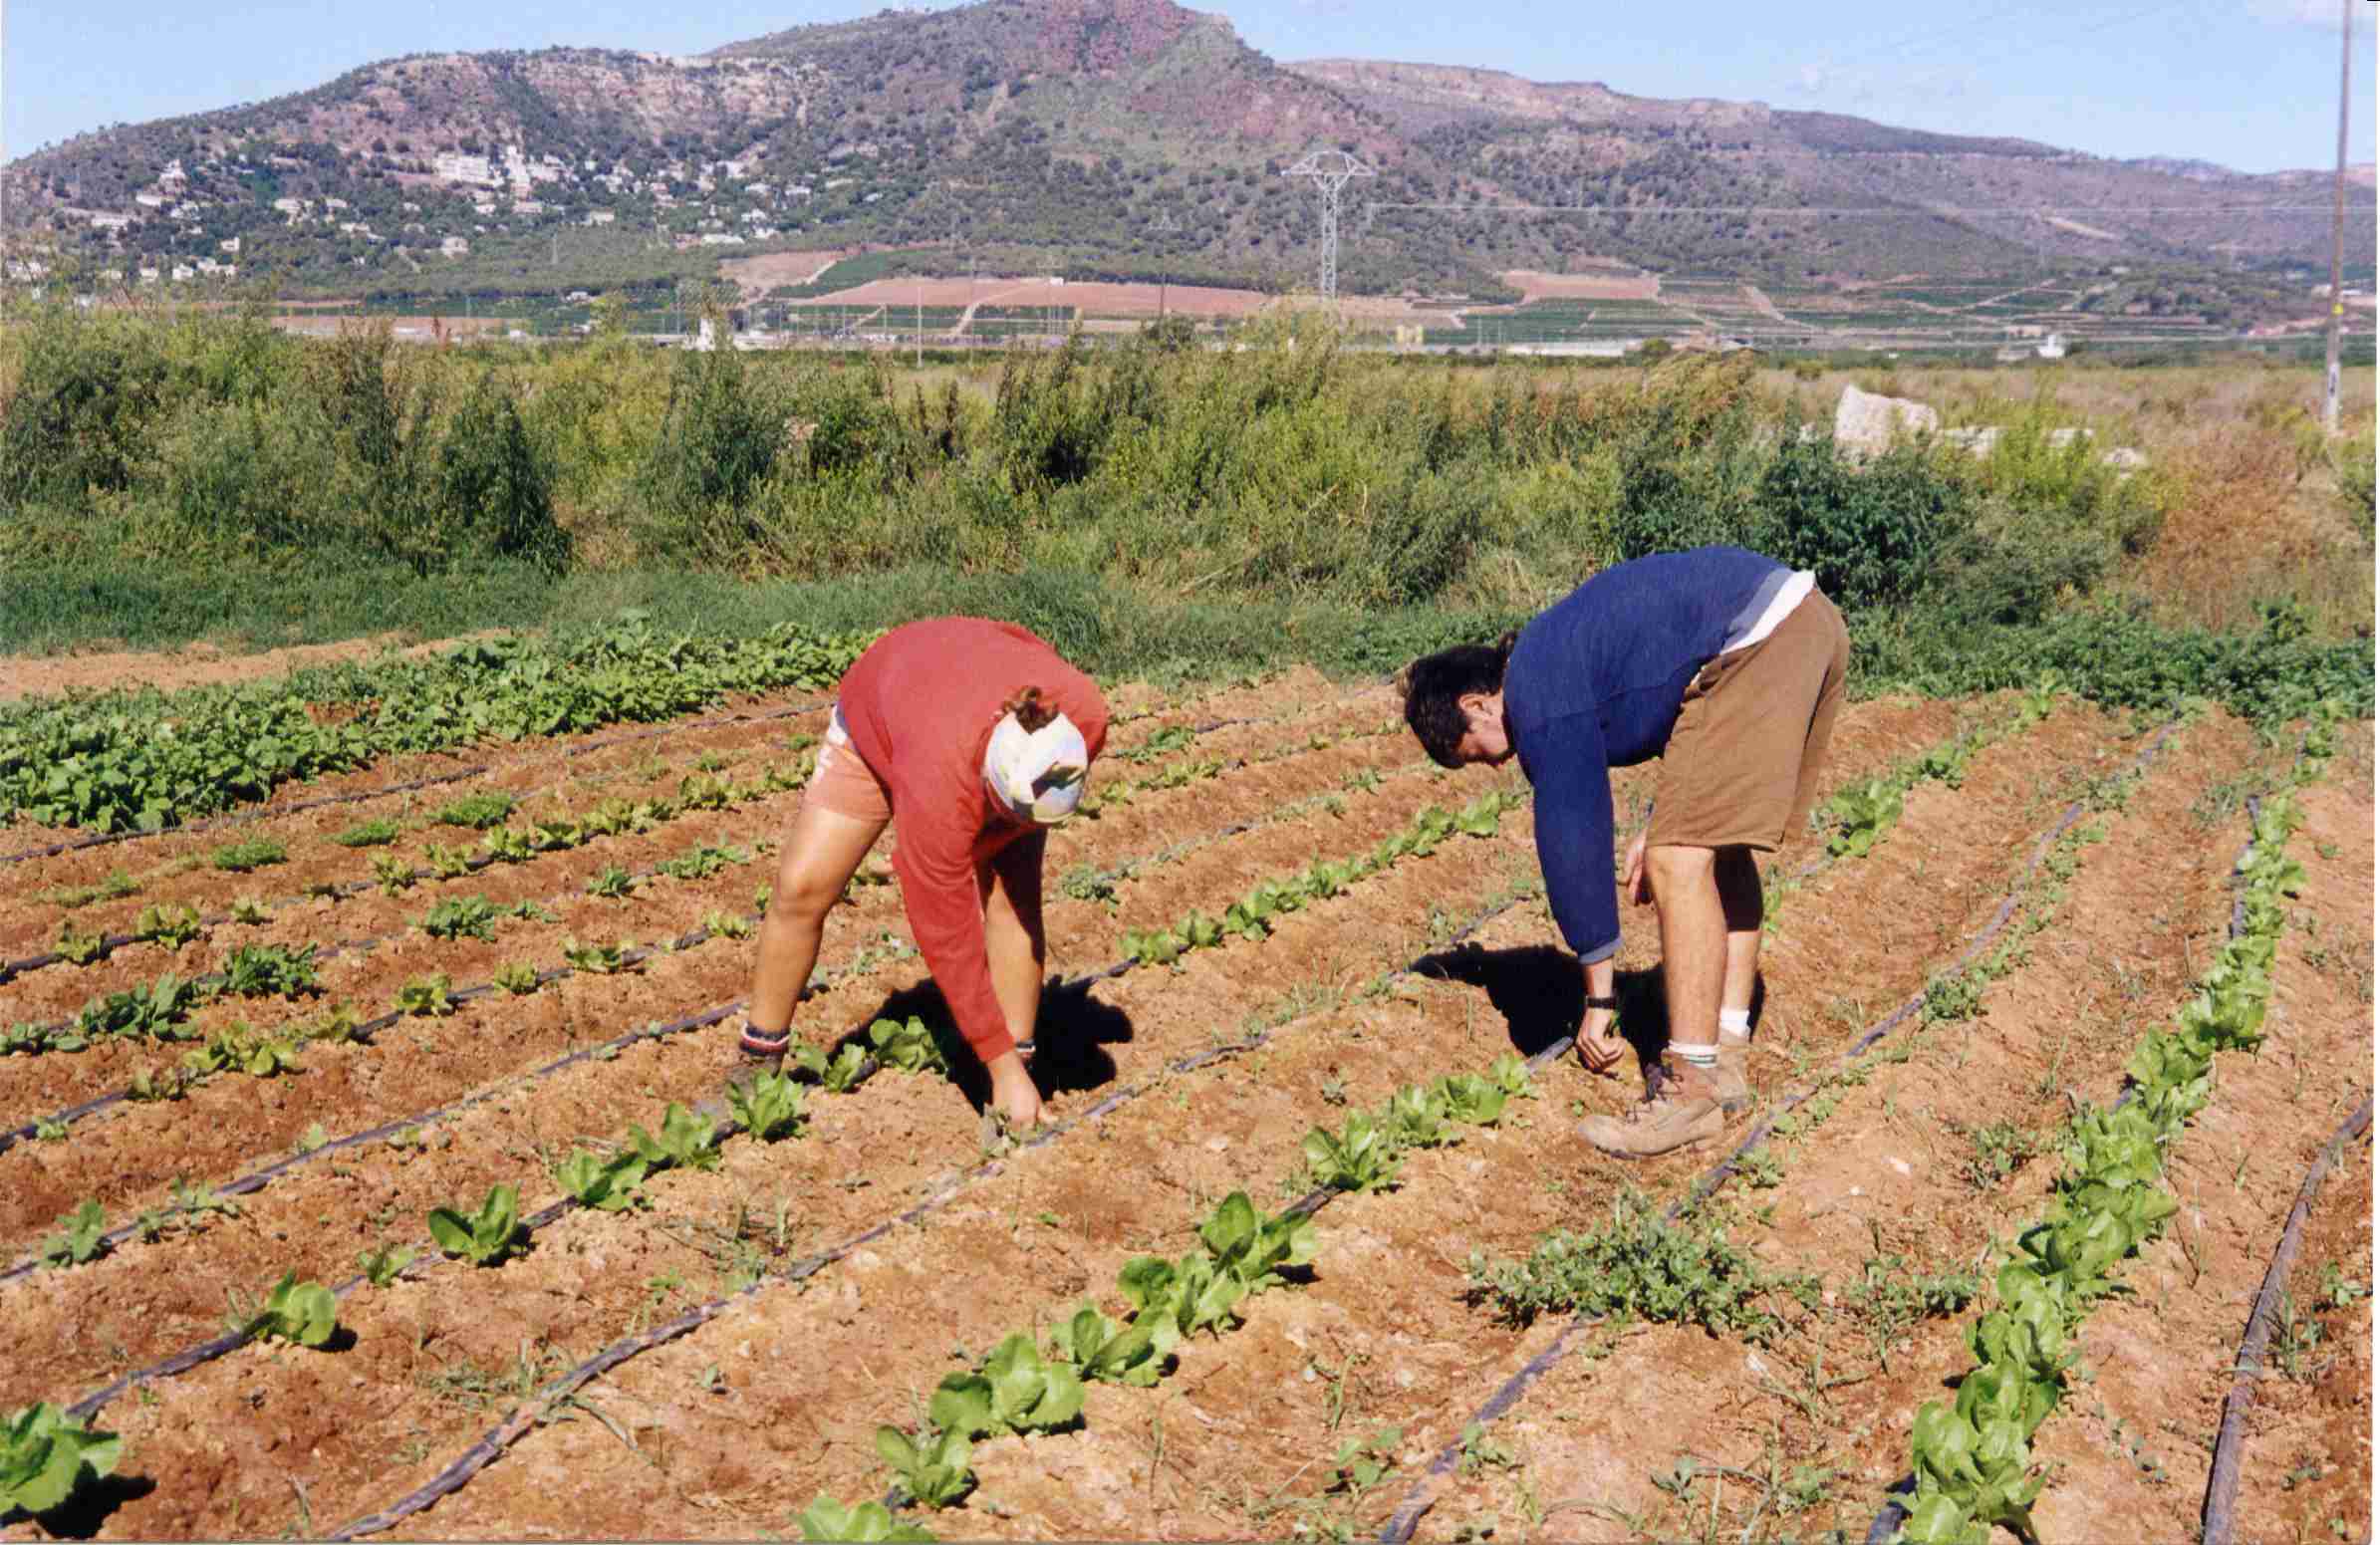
{"x": 1126, "y": 138}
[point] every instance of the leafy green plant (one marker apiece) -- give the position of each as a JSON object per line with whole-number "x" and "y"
{"x": 612, "y": 882}
{"x": 376, "y": 833}
{"x": 1014, "y": 1390}
{"x": 597, "y": 959}
{"x": 81, "y": 1241}
{"x": 152, "y": 1012}
{"x": 769, "y": 1106}
{"x": 932, "y": 1467}
{"x": 727, "y": 924}
{"x": 270, "y": 972}
{"x": 79, "y": 948}
{"x": 445, "y": 863}
{"x": 1362, "y": 1463}
{"x": 1635, "y": 1266}
{"x": 487, "y": 1237}
{"x": 606, "y": 1186}
{"x": 1416, "y": 1117}
{"x": 392, "y": 875}
{"x": 860, "y": 1524}
{"x": 510, "y": 845}
{"x": 1103, "y": 1350}
{"x": 685, "y": 1139}
{"x": 385, "y": 1263}
{"x": 475, "y": 811}
{"x": 429, "y": 996}
{"x": 461, "y": 917}
{"x": 906, "y": 1045}
{"x": 1359, "y": 1157}
{"x": 838, "y": 1075}
{"x": 299, "y": 1311}
{"x": 700, "y": 863}
{"x": 1861, "y": 816}
{"x": 167, "y": 924}
{"x": 250, "y": 911}
{"x": 256, "y": 853}
{"x": 44, "y": 1458}
{"x": 517, "y": 977}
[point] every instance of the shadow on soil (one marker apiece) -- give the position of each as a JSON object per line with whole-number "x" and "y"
{"x": 86, "y": 1512}
{"x": 1544, "y": 998}
{"x": 1071, "y": 1035}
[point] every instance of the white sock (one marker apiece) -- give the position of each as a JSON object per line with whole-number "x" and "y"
{"x": 1704, "y": 1055}
{"x": 1736, "y": 1023}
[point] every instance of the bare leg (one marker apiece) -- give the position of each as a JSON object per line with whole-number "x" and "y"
{"x": 1739, "y": 901}
{"x": 1013, "y": 943}
{"x": 1693, "y": 939}
{"x": 822, "y": 851}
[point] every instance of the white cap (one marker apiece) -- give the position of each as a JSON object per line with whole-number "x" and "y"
{"x": 1038, "y": 774}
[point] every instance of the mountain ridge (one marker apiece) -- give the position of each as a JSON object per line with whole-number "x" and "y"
{"x": 1124, "y": 137}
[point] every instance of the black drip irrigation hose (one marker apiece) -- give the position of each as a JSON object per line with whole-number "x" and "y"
{"x": 2223, "y": 1476}
{"x": 244, "y": 817}
{"x": 1895, "y": 1511}
{"x": 492, "y": 1444}
{"x": 1423, "y": 1493}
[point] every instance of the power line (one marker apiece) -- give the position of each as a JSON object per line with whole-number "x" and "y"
{"x": 1330, "y": 170}
{"x": 1863, "y": 209}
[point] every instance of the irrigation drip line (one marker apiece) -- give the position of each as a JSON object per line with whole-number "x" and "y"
{"x": 1894, "y": 1513}
{"x": 492, "y": 1444}
{"x": 2223, "y": 1477}
{"x": 1423, "y": 1493}
{"x": 242, "y": 818}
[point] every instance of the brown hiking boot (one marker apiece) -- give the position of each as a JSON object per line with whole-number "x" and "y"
{"x": 1734, "y": 1088}
{"x": 1680, "y": 1108}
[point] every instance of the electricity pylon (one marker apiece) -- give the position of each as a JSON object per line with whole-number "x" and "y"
{"x": 1330, "y": 171}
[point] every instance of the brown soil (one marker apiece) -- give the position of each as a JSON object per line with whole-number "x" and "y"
{"x": 735, "y": 1427}
{"x": 206, "y": 664}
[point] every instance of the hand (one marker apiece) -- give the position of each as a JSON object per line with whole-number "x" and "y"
{"x": 1599, "y": 1049}
{"x": 1013, "y": 1092}
{"x": 1633, "y": 882}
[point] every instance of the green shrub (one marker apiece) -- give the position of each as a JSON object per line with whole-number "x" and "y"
{"x": 1868, "y": 532}
{"x": 720, "y": 439}
{"x": 496, "y": 494}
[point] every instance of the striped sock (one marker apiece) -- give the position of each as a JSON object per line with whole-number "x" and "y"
{"x": 1704, "y": 1055}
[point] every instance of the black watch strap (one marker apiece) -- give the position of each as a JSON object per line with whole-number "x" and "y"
{"x": 1612, "y": 1003}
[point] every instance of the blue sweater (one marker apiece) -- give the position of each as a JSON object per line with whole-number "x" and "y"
{"x": 1595, "y": 683}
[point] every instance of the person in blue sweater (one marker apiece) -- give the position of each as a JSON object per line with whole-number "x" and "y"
{"x": 1728, "y": 667}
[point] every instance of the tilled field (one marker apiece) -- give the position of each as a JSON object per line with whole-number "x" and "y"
{"x": 2034, "y": 905}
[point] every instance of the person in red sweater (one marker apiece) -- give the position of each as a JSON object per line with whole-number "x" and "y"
{"x": 971, "y": 738}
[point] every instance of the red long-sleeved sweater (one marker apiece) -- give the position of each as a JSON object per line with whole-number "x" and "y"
{"x": 921, "y": 705}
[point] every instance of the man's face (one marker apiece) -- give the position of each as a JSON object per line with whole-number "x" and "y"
{"x": 1485, "y": 740}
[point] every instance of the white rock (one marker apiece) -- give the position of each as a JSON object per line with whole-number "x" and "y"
{"x": 1899, "y": 1165}
{"x": 1866, "y": 422}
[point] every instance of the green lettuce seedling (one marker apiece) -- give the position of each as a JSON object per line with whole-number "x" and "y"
{"x": 486, "y": 1238}
{"x": 606, "y": 1185}
{"x": 906, "y": 1045}
{"x": 768, "y": 1106}
{"x": 861, "y": 1523}
{"x": 83, "y": 1240}
{"x": 1101, "y": 1349}
{"x": 46, "y": 1458}
{"x": 686, "y": 1141}
{"x": 838, "y": 1076}
{"x": 303, "y": 1312}
{"x": 932, "y": 1468}
{"x": 1015, "y": 1390}
{"x": 1361, "y": 1158}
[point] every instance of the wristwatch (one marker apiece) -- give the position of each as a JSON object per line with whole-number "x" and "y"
{"x": 1612, "y": 1003}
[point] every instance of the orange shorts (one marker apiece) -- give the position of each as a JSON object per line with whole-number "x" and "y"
{"x": 1742, "y": 766}
{"x": 843, "y": 783}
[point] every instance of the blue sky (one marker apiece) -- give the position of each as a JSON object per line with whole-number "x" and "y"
{"x": 2249, "y": 84}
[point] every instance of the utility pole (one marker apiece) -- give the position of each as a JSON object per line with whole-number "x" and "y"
{"x": 921, "y": 323}
{"x": 1330, "y": 170}
{"x": 2338, "y": 229}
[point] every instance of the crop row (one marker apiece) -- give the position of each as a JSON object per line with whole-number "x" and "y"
{"x": 152, "y": 760}
{"x": 1974, "y": 1463}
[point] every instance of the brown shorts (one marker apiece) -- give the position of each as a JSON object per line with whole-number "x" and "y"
{"x": 843, "y": 783}
{"x": 1742, "y": 766}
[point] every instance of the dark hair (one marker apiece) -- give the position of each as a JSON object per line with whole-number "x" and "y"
{"x": 1031, "y": 712}
{"x": 1435, "y": 683}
